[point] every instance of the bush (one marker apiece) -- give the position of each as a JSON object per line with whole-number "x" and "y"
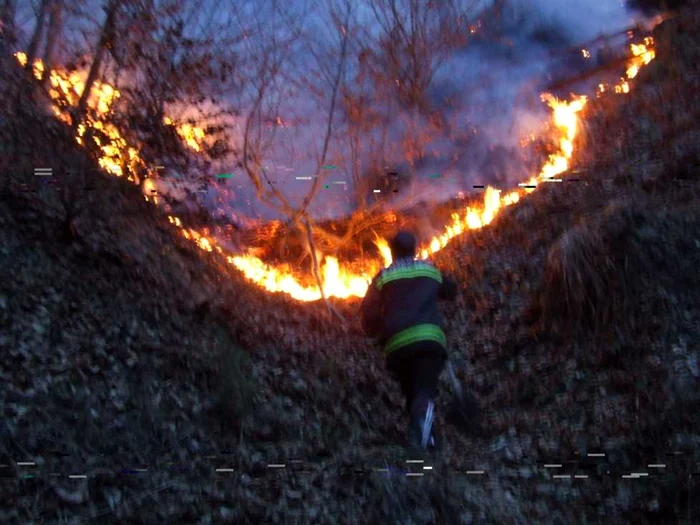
{"x": 629, "y": 269}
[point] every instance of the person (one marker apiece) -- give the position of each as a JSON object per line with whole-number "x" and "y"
{"x": 401, "y": 310}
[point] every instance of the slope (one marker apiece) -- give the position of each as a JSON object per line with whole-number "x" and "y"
{"x": 125, "y": 347}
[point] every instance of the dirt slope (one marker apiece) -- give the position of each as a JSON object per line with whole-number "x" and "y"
{"x": 126, "y": 347}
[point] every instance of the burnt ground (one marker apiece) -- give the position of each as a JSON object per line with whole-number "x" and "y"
{"x": 125, "y": 347}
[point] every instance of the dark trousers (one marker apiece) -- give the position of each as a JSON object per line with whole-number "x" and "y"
{"x": 417, "y": 368}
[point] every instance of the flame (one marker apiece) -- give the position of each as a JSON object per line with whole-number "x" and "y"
{"x": 622, "y": 87}
{"x": 565, "y": 119}
{"x": 384, "y": 250}
{"x": 642, "y": 55}
{"x": 191, "y": 134}
{"x": 343, "y": 283}
{"x": 150, "y": 191}
{"x": 336, "y": 281}
{"x": 65, "y": 90}
{"x": 37, "y": 68}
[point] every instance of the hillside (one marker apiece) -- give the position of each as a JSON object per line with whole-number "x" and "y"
{"x": 126, "y": 347}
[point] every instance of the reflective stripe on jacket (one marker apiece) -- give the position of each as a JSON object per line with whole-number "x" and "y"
{"x": 421, "y": 332}
{"x": 400, "y": 307}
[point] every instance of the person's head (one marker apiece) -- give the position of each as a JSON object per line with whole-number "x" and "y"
{"x": 403, "y": 245}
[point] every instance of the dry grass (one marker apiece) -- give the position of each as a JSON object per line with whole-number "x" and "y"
{"x": 581, "y": 272}
{"x": 235, "y": 388}
{"x": 576, "y": 279}
{"x": 612, "y": 271}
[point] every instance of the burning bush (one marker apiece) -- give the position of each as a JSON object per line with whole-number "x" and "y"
{"x": 626, "y": 270}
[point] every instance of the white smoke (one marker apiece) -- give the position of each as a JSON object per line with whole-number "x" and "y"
{"x": 494, "y": 89}
{"x": 498, "y": 88}
{"x": 582, "y": 20}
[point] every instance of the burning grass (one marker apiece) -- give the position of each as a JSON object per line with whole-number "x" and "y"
{"x": 337, "y": 281}
{"x": 344, "y": 281}
{"x": 116, "y": 156}
{"x": 340, "y": 279}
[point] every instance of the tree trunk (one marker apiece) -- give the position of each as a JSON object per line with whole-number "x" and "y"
{"x": 7, "y": 19}
{"x": 52, "y": 36}
{"x": 38, "y": 34}
{"x": 106, "y": 36}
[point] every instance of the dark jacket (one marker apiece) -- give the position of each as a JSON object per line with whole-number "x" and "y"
{"x": 400, "y": 307}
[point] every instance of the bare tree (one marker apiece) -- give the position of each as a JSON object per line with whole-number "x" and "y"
{"x": 396, "y": 64}
{"x": 105, "y": 42}
{"x": 52, "y": 36}
{"x": 256, "y": 140}
{"x": 38, "y": 34}
{"x": 416, "y": 36}
{"x": 8, "y": 13}
{"x": 171, "y": 62}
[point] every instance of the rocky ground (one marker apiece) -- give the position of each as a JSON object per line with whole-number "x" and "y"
{"x": 145, "y": 364}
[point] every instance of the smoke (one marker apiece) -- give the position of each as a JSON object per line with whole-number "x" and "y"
{"x": 581, "y": 20}
{"x": 494, "y": 88}
{"x": 487, "y": 96}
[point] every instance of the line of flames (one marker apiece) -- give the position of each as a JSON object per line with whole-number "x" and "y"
{"x": 117, "y": 156}
{"x": 337, "y": 281}
{"x": 343, "y": 282}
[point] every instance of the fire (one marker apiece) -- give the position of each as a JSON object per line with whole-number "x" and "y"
{"x": 384, "y": 250}
{"x": 642, "y": 55}
{"x": 117, "y": 156}
{"x": 343, "y": 283}
{"x": 336, "y": 281}
{"x": 192, "y": 135}
{"x": 622, "y": 87}
{"x": 149, "y": 191}
{"x": 65, "y": 91}
{"x": 38, "y": 67}
{"x": 565, "y": 118}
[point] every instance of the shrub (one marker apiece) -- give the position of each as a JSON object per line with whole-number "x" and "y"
{"x": 628, "y": 268}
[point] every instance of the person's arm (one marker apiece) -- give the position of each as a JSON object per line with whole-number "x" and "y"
{"x": 371, "y": 310}
{"x": 448, "y": 289}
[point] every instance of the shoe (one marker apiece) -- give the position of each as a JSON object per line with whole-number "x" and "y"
{"x": 420, "y": 432}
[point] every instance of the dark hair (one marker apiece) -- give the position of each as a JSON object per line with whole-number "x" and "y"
{"x": 403, "y": 245}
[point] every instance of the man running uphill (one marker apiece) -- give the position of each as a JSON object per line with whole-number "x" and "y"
{"x": 401, "y": 310}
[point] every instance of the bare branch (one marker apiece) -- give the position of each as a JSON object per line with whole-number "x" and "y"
{"x": 317, "y": 274}
{"x": 38, "y": 35}
{"x": 329, "y": 126}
